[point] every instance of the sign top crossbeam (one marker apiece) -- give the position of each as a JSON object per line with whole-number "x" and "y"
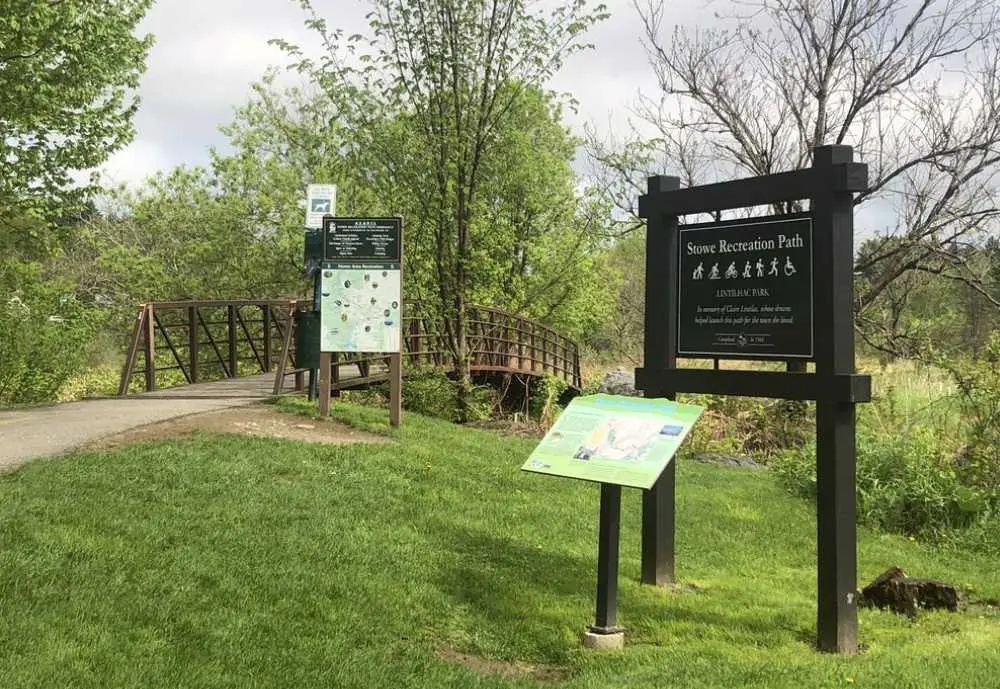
{"x": 756, "y": 191}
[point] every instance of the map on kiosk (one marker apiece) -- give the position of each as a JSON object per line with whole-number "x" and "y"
{"x": 360, "y": 309}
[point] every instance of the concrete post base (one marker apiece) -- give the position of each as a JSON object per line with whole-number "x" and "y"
{"x": 604, "y": 642}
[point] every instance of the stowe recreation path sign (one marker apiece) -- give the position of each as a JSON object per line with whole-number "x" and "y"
{"x": 746, "y": 289}
{"x": 776, "y": 288}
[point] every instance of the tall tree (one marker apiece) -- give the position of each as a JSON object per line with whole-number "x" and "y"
{"x": 445, "y": 74}
{"x": 68, "y": 74}
{"x": 912, "y": 85}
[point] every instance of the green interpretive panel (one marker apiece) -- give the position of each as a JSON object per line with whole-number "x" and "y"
{"x": 626, "y": 441}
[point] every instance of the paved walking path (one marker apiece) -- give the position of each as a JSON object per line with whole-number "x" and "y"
{"x": 26, "y": 434}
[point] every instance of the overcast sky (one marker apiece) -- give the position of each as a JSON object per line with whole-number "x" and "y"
{"x": 208, "y": 52}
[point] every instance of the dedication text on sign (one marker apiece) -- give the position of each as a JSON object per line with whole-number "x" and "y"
{"x": 745, "y": 289}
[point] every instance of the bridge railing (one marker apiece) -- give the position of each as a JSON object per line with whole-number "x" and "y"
{"x": 498, "y": 341}
{"x": 205, "y": 340}
{"x": 191, "y": 341}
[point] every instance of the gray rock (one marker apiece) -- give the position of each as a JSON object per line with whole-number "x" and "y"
{"x": 619, "y": 382}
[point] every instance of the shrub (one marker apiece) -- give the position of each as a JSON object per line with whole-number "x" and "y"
{"x": 45, "y": 333}
{"x": 433, "y": 393}
{"x": 978, "y": 385}
{"x": 97, "y": 381}
{"x": 906, "y": 482}
{"x": 749, "y": 426}
{"x": 545, "y": 395}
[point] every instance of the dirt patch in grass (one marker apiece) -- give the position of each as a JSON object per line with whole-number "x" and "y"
{"x": 502, "y": 668}
{"x": 253, "y": 420}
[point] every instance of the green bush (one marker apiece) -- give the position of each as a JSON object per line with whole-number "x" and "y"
{"x": 906, "y": 482}
{"x": 433, "y": 393}
{"x": 544, "y": 400}
{"x": 96, "y": 381}
{"x": 978, "y": 384}
{"x": 45, "y": 334}
{"x": 751, "y": 426}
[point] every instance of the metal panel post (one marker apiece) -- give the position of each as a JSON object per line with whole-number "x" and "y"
{"x": 606, "y": 619}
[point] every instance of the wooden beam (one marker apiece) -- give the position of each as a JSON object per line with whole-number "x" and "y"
{"x": 772, "y": 384}
{"x": 133, "y": 351}
{"x": 755, "y": 191}
{"x": 325, "y": 361}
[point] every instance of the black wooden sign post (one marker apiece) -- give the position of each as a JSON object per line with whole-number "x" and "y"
{"x": 778, "y": 288}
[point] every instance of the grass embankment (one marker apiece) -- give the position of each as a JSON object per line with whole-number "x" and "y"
{"x": 224, "y": 561}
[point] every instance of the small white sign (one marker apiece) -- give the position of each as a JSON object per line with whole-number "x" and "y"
{"x": 321, "y": 199}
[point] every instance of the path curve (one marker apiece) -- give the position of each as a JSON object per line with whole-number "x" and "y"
{"x": 30, "y": 433}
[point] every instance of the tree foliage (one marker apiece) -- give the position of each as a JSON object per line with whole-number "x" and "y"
{"x": 68, "y": 75}
{"x": 436, "y": 95}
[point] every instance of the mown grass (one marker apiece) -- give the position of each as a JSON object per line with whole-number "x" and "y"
{"x": 224, "y": 561}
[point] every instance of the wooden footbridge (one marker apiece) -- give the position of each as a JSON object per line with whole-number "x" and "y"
{"x": 182, "y": 342}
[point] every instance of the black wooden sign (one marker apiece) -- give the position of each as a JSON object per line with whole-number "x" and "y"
{"x": 760, "y": 275}
{"x": 745, "y": 289}
{"x": 362, "y": 239}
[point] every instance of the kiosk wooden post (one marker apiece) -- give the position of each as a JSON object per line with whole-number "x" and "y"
{"x": 660, "y": 345}
{"x": 325, "y": 366}
{"x": 395, "y": 389}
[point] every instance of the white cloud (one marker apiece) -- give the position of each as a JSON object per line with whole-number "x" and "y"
{"x": 209, "y": 52}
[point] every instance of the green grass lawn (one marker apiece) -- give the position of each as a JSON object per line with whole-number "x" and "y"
{"x": 225, "y": 561}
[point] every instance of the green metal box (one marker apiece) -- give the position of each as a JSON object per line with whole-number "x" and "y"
{"x": 307, "y": 339}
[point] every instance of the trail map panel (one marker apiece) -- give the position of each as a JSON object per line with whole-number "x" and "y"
{"x": 745, "y": 289}
{"x": 360, "y": 308}
{"x": 363, "y": 239}
{"x": 361, "y": 292}
{"x": 626, "y": 441}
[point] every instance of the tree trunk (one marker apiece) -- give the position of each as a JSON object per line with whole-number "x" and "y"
{"x": 462, "y": 373}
